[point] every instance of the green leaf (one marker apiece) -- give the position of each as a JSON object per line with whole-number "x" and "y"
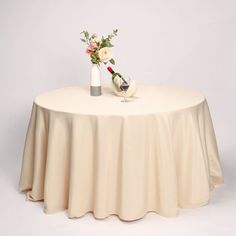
{"x": 93, "y": 57}
{"x": 94, "y": 61}
{"x": 115, "y": 31}
{"x": 83, "y": 40}
{"x": 112, "y": 61}
{"x": 106, "y": 43}
{"x": 86, "y": 34}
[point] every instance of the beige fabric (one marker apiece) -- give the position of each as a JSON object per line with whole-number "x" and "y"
{"x": 155, "y": 153}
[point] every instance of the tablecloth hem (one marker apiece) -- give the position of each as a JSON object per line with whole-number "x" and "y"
{"x": 99, "y": 216}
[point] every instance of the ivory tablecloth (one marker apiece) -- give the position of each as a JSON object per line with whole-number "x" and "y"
{"x": 95, "y": 154}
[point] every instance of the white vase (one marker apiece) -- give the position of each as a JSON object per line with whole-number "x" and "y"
{"x": 95, "y": 82}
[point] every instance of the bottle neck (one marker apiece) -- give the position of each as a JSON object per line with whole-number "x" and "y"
{"x": 111, "y": 70}
{"x": 115, "y": 74}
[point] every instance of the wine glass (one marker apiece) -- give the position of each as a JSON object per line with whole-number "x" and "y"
{"x": 124, "y": 85}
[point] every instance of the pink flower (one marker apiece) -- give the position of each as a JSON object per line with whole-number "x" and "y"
{"x": 91, "y": 48}
{"x": 93, "y": 45}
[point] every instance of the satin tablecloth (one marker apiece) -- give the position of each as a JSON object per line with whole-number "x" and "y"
{"x": 97, "y": 154}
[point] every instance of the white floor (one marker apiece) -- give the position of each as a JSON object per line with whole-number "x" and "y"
{"x": 20, "y": 217}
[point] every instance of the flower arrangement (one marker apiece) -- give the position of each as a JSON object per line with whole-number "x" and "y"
{"x": 99, "y": 48}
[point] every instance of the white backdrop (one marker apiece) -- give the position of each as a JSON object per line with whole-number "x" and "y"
{"x": 190, "y": 43}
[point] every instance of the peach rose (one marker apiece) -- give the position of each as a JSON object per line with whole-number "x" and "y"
{"x": 105, "y": 54}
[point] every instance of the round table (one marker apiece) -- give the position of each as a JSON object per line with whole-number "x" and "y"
{"x": 155, "y": 153}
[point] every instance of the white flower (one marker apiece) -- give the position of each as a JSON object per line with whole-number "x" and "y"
{"x": 105, "y": 54}
{"x": 96, "y": 39}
